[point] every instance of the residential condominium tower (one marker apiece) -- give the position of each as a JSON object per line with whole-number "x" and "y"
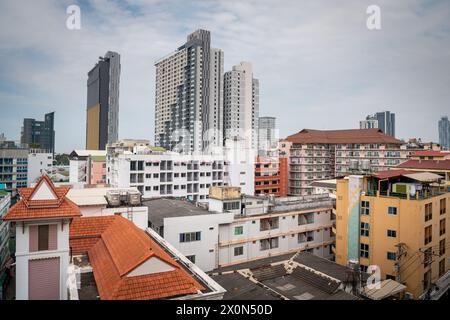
{"x": 189, "y": 95}
{"x": 444, "y": 133}
{"x": 241, "y": 104}
{"x": 39, "y": 134}
{"x": 102, "y": 122}
{"x": 267, "y": 136}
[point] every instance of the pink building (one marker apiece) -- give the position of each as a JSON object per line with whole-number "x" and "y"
{"x": 88, "y": 167}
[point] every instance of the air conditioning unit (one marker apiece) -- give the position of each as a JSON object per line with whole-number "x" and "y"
{"x": 134, "y": 198}
{"x": 113, "y": 198}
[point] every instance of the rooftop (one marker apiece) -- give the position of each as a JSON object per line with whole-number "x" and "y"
{"x": 127, "y": 263}
{"x": 44, "y": 201}
{"x": 161, "y": 208}
{"x": 426, "y": 164}
{"x": 87, "y": 153}
{"x": 342, "y": 136}
{"x": 93, "y": 196}
{"x": 302, "y": 276}
{"x": 429, "y": 153}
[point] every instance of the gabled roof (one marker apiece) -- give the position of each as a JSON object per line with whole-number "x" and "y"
{"x": 391, "y": 173}
{"x": 429, "y": 153}
{"x": 42, "y": 202}
{"x": 426, "y": 164}
{"x": 374, "y": 136}
{"x": 117, "y": 248}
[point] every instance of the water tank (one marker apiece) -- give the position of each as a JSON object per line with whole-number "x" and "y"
{"x": 365, "y": 165}
{"x": 113, "y": 198}
{"x": 134, "y": 198}
{"x": 353, "y": 164}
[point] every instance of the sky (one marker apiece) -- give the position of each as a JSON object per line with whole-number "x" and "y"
{"x": 318, "y": 64}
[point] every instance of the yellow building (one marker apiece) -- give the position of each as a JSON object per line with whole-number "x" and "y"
{"x": 396, "y": 220}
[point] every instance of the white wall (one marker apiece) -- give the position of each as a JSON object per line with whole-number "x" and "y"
{"x": 205, "y": 250}
{"x": 138, "y": 215}
{"x": 23, "y": 255}
{"x": 38, "y": 163}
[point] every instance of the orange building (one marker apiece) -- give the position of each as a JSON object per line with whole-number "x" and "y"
{"x": 271, "y": 176}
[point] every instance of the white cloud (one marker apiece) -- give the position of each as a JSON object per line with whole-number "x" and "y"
{"x": 315, "y": 59}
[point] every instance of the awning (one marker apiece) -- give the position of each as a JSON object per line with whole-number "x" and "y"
{"x": 388, "y": 288}
{"x": 423, "y": 176}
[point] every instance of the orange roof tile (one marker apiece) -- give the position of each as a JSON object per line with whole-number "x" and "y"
{"x": 342, "y": 136}
{"x": 116, "y": 247}
{"x": 29, "y": 209}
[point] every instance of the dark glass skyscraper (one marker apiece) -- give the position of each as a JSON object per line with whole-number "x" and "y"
{"x": 102, "y": 121}
{"x": 39, "y": 134}
{"x": 382, "y": 120}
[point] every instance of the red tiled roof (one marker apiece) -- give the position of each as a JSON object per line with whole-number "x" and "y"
{"x": 119, "y": 248}
{"x": 342, "y": 136}
{"x": 28, "y": 209}
{"x": 391, "y": 173}
{"x": 426, "y": 164}
{"x": 428, "y": 153}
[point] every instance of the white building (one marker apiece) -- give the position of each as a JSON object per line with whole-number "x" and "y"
{"x": 239, "y": 228}
{"x": 39, "y": 162}
{"x": 189, "y": 96}
{"x": 94, "y": 202}
{"x": 165, "y": 174}
{"x": 239, "y": 165}
{"x": 241, "y": 104}
{"x": 87, "y": 167}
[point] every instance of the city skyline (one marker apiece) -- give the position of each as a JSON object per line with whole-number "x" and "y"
{"x": 315, "y": 60}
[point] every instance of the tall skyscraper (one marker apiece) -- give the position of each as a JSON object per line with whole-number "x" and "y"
{"x": 267, "y": 136}
{"x": 444, "y": 132}
{"x": 382, "y": 120}
{"x": 102, "y": 121}
{"x": 189, "y": 96}
{"x": 39, "y": 134}
{"x": 241, "y": 104}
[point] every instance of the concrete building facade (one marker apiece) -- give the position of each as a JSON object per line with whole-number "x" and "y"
{"x": 396, "y": 220}
{"x": 102, "y": 121}
{"x": 189, "y": 96}
{"x": 241, "y": 104}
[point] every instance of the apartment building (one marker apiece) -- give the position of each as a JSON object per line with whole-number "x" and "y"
{"x": 234, "y": 228}
{"x": 318, "y": 154}
{"x": 241, "y": 104}
{"x": 5, "y": 255}
{"x": 439, "y": 166}
{"x": 13, "y": 168}
{"x": 87, "y": 167}
{"x": 267, "y": 136}
{"x": 39, "y": 162}
{"x": 396, "y": 220}
{"x": 189, "y": 96}
{"x": 164, "y": 174}
{"x": 269, "y": 175}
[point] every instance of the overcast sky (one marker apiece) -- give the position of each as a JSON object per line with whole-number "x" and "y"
{"x": 319, "y": 66}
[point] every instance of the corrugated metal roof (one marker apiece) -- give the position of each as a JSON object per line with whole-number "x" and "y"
{"x": 388, "y": 288}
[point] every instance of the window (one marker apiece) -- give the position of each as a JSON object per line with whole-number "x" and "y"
{"x": 364, "y": 229}
{"x": 364, "y": 250}
{"x": 191, "y": 258}
{"x": 428, "y": 211}
{"x": 231, "y": 205}
{"x": 391, "y": 256}
{"x": 442, "y": 207}
{"x": 365, "y": 207}
{"x": 392, "y": 211}
{"x": 442, "y": 227}
{"x": 442, "y": 247}
{"x": 43, "y": 237}
{"x": 428, "y": 257}
{"x": 238, "y": 230}
{"x": 441, "y": 267}
{"x": 238, "y": 251}
{"x": 190, "y": 236}
{"x": 267, "y": 244}
{"x": 428, "y": 235}
{"x": 392, "y": 234}
{"x": 391, "y": 277}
